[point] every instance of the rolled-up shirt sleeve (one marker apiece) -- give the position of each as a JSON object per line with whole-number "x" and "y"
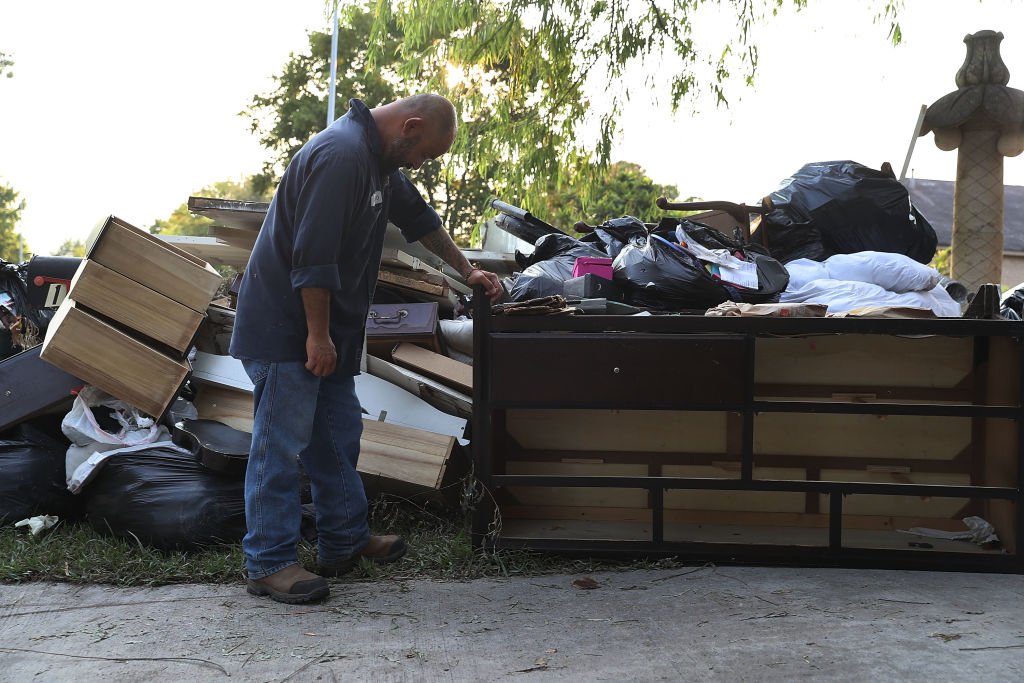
{"x": 413, "y": 216}
{"x": 325, "y": 206}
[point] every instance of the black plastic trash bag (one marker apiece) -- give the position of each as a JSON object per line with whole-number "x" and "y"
{"x": 166, "y": 499}
{"x": 657, "y": 273}
{"x": 615, "y": 234}
{"x": 1011, "y": 305}
{"x": 32, "y": 474}
{"x": 549, "y": 266}
{"x": 853, "y": 207}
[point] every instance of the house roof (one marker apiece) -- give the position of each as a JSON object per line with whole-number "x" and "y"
{"x": 934, "y": 199}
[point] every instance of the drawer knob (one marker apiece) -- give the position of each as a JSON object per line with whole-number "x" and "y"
{"x": 616, "y": 370}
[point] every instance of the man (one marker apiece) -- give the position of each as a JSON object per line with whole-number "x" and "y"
{"x": 299, "y": 330}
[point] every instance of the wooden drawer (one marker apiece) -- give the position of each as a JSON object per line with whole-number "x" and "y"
{"x": 103, "y": 356}
{"x": 136, "y": 254}
{"x": 653, "y": 369}
{"x": 143, "y": 310}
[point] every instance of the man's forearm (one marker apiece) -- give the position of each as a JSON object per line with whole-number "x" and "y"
{"x": 440, "y": 243}
{"x": 316, "y": 302}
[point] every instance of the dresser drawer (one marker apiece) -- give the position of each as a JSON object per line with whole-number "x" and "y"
{"x": 658, "y": 370}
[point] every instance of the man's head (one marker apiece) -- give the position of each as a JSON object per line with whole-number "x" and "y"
{"x": 415, "y": 129}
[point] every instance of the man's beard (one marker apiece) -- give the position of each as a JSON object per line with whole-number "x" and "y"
{"x": 395, "y": 158}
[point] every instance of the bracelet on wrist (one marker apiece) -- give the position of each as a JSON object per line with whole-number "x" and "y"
{"x": 469, "y": 272}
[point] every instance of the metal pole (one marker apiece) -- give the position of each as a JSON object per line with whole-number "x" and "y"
{"x": 21, "y": 249}
{"x": 334, "y": 66}
{"x": 917, "y": 132}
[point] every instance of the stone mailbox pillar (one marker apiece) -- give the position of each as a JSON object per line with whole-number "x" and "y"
{"x": 984, "y": 119}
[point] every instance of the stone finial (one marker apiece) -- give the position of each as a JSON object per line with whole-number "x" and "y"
{"x": 982, "y": 100}
{"x": 983, "y": 64}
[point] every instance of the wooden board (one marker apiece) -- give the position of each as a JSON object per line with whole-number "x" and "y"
{"x": 396, "y": 258}
{"x": 105, "y": 357}
{"x": 153, "y": 262}
{"x": 449, "y": 371}
{"x": 210, "y": 249}
{"x": 231, "y": 212}
{"x": 863, "y": 360}
{"x": 230, "y": 406}
{"x": 404, "y": 454}
{"x": 393, "y": 452}
{"x": 236, "y": 237}
{"x": 126, "y": 301}
{"x": 618, "y": 430}
{"x": 410, "y": 282}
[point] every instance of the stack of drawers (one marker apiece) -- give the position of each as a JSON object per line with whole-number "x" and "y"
{"x": 132, "y": 311}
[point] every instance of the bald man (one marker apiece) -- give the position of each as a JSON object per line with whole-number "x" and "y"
{"x": 299, "y": 328}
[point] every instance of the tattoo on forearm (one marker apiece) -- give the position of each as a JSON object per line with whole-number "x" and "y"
{"x": 441, "y": 244}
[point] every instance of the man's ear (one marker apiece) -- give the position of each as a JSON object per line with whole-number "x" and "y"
{"x": 413, "y": 126}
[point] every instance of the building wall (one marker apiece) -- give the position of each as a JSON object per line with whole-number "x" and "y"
{"x": 1013, "y": 269}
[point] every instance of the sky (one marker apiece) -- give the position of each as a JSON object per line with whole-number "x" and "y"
{"x": 127, "y": 108}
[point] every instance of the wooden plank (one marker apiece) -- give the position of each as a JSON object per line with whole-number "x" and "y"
{"x": 864, "y": 360}
{"x": 105, "y": 357}
{"x": 907, "y": 437}
{"x": 137, "y": 306}
{"x": 418, "y": 275}
{"x": 403, "y": 454}
{"x": 1000, "y": 447}
{"x": 230, "y": 406}
{"x": 231, "y": 212}
{"x": 396, "y": 258}
{"x": 236, "y": 237}
{"x": 391, "y": 451}
{"x": 393, "y": 278}
{"x": 210, "y": 249}
{"x": 629, "y": 431}
{"x": 449, "y": 371}
{"x": 154, "y": 263}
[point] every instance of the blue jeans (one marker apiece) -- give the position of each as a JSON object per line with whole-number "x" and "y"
{"x": 320, "y": 421}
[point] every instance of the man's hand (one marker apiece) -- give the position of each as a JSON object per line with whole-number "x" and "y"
{"x": 491, "y": 284}
{"x": 321, "y": 356}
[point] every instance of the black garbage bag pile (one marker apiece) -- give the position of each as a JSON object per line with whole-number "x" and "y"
{"x": 13, "y": 284}
{"x": 842, "y": 207}
{"x": 166, "y": 499}
{"x": 548, "y": 267}
{"x": 1011, "y": 305}
{"x": 32, "y": 474}
{"x": 656, "y": 273}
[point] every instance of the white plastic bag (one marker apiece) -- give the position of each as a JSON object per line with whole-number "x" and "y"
{"x": 81, "y": 427}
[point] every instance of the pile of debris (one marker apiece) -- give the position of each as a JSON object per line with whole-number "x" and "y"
{"x": 131, "y": 413}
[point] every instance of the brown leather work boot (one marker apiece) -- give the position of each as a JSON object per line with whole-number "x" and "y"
{"x": 379, "y": 550}
{"x": 293, "y": 585}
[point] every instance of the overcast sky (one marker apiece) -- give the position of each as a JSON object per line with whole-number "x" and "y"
{"x": 130, "y": 107}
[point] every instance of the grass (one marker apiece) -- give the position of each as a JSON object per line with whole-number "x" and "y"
{"x": 439, "y": 548}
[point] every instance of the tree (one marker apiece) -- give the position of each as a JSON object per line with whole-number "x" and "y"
{"x": 287, "y": 116}
{"x": 70, "y": 247}
{"x": 182, "y": 222}
{"x": 535, "y": 124}
{"x": 5, "y": 65}
{"x": 626, "y": 191}
{"x": 10, "y": 214}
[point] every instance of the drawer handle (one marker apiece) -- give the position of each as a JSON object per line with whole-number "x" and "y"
{"x": 616, "y": 370}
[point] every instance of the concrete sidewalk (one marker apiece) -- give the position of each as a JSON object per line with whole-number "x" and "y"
{"x": 726, "y": 623}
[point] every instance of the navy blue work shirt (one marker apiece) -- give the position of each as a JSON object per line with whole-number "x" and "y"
{"x": 325, "y": 229}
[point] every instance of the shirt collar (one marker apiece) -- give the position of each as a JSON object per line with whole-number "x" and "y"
{"x": 361, "y": 114}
